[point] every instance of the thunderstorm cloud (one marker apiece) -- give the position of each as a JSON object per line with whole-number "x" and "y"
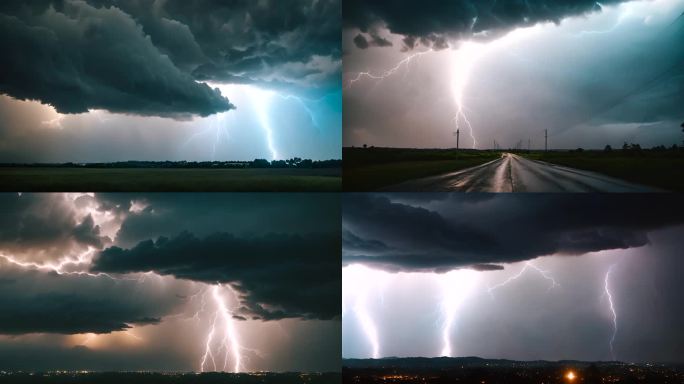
{"x": 279, "y": 255}
{"x": 144, "y": 58}
{"x": 437, "y": 233}
{"x": 282, "y": 276}
{"x": 432, "y": 23}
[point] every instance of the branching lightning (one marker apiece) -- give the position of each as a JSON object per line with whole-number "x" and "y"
{"x": 62, "y": 267}
{"x": 259, "y": 101}
{"x": 528, "y": 265}
{"x": 456, "y": 286}
{"x": 229, "y": 345}
{"x": 387, "y": 73}
{"x": 463, "y": 61}
{"x": 222, "y": 348}
{"x": 611, "y": 306}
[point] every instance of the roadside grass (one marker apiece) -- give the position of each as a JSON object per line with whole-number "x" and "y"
{"x": 662, "y": 169}
{"x": 35, "y": 179}
{"x": 369, "y": 169}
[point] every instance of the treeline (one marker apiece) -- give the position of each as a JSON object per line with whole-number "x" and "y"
{"x": 256, "y": 163}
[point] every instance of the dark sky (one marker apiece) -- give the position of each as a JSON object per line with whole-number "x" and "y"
{"x": 137, "y": 282}
{"x": 161, "y": 80}
{"x": 592, "y": 73}
{"x": 513, "y": 276}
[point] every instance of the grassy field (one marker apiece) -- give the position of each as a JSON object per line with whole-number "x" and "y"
{"x": 662, "y": 169}
{"x": 34, "y": 179}
{"x": 368, "y": 169}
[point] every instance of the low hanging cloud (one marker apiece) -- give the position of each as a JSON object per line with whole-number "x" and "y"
{"x": 151, "y": 58}
{"x": 77, "y": 57}
{"x": 434, "y": 22}
{"x": 278, "y": 276}
{"x": 40, "y": 302}
{"x": 406, "y": 233}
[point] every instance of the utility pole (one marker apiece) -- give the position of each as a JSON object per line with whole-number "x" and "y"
{"x": 529, "y": 144}
{"x": 546, "y": 140}
{"x": 457, "y": 133}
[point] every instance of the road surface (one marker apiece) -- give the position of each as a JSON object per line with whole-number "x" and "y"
{"x": 512, "y": 173}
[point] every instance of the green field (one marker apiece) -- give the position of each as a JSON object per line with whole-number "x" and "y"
{"x": 661, "y": 169}
{"x": 368, "y": 169}
{"x": 59, "y": 179}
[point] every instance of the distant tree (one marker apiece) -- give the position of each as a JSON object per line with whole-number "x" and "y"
{"x": 261, "y": 163}
{"x": 625, "y": 146}
{"x": 580, "y": 149}
{"x": 608, "y": 148}
{"x": 365, "y": 146}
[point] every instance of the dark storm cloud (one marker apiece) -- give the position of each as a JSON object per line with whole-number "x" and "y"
{"x": 272, "y": 42}
{"x": 77, "y": 57}
{"x": 448, "y": 234}
{"x": 432, "y": 22}
{"x": 39, "y": 302}
{"x": 278, "y": 276}
{"x": 144, "y": 58}
{"x": 44, "y": 223}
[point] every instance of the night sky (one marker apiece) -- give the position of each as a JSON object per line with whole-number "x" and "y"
{"x": 100, "y": 80}
{"x": 592, "y": 73}
{"x": 137, "y": 282}
{"x": 513, "y": 276}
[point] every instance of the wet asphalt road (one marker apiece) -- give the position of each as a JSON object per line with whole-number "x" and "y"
{"x": 512, "y": 173}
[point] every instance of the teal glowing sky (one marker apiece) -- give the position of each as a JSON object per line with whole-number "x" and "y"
{"x": 100, "y": 81}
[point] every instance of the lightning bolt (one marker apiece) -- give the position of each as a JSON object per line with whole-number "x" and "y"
{"x": 229, "y": 345}
{"x": 60, "y": 267}
{"x": 611, "y": 306}
{"x": 261, "y": 100}
{"x": 456, "y": 286}
{"x": 386, "y": 73}
{"x": 359, "y": 281}
{"x": 304, "y": 103}
{"x": 528, "y": 265}
{"x": 368, "y": 326}
{"x": 462, "y": 62}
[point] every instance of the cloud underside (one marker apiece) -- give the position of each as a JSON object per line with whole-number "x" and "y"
{"x": 38, "y": 302}
{"x": 433, "y": 23}
{"x": 128, "y": 57}
{"x": 278, "y": 276}
{"x": 396, "y": 233}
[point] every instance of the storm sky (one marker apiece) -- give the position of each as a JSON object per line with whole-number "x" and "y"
{"x": 137, "y": 282}
{"x": 101, "y": 80}
{"x": 513, "y": 276}
{"x": 592, "y": 73}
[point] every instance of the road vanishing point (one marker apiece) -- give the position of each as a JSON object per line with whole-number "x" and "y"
{"x": 513, "y": 173}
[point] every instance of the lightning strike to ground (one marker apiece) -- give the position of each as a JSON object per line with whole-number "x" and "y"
{"x": 359, "y": 282}
{"x": 456, "y": 286}
{"x": 223, "y": 325}
{"x": 611, "y": 306}
{"x": 462, "y": 63}
{"x": 528, "y": 265}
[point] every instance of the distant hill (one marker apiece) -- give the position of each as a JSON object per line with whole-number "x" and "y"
{"x": 466, "y": 362}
